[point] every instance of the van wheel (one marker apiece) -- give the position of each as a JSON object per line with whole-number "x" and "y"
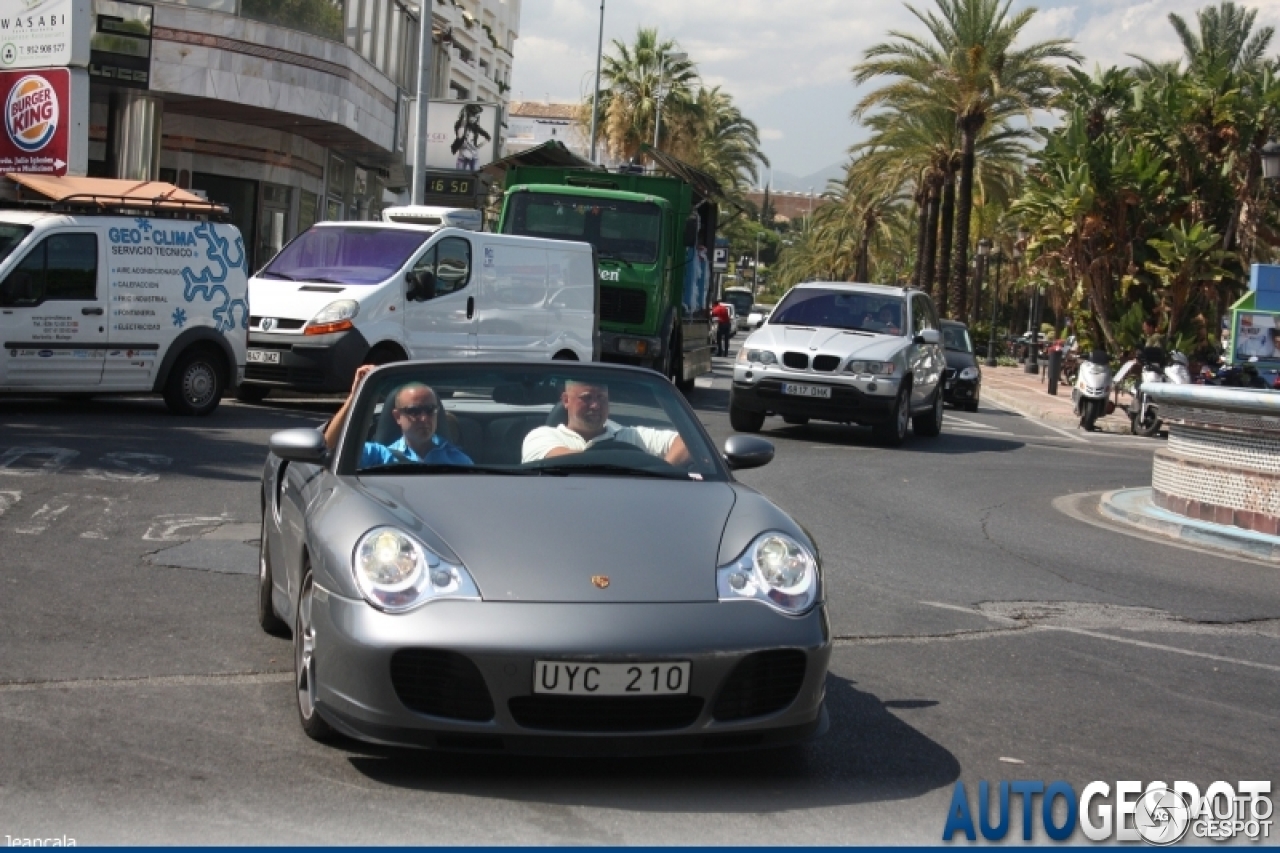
{"x": 565, "y": 355}
{"x": 196, "y": 383}
{"x": 252, "y": 393}
{"x": 381, "y": 355}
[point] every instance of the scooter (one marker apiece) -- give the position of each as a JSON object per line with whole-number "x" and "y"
{"x": 1091, "y": 394}
{"x": 1155, "y": 367}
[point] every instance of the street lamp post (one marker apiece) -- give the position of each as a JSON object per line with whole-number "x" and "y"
{"x": 996, "y": 260}
{"x": 677, "y": 56}
{"x": 595, "y": 100}
{"x": 979, "y": 264}
{"x": 1032, "y": 364}
{"x": 424, "y": 98}
{"x": 755, "y": 270}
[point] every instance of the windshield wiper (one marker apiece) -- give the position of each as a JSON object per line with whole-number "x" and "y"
{"x": 273, "y": 274}
{"x": 438, "y": 468}
{"x": 598, "y": 468}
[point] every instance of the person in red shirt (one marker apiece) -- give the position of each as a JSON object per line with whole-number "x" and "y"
{"x": 724, "y": 321}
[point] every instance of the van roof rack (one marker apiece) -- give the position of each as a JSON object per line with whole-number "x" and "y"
{"x": 72, "y": 194}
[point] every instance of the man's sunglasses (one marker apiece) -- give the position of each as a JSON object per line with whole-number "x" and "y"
{"x": 418, "y": 411}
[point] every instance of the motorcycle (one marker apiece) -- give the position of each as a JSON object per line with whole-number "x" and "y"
{"x": 1091, "y": 394}
{"x": 1155, "y": 366}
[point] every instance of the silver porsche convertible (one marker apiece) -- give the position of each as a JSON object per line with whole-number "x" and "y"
{"x": 550, "y": 558}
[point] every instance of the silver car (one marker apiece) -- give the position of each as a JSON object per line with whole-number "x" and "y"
{"x": 851, "y": 353}
{"x": 556, "y": 559}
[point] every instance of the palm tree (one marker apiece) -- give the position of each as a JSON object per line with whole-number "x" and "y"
{"x": 1226, "y": 41}
{"x": 629, "y": 97}
{"x": 969, "y": 65}
{"x": 728, "y": 143}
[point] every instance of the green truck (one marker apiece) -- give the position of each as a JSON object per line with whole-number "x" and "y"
{"x": 652, "y": 235}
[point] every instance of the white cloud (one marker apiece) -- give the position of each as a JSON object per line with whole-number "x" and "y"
{"x": 788, "y": 65}
{"x": 771, "y": 133}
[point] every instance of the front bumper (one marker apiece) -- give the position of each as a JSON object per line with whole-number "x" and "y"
{"x": 867, "y": 402}
{"x": 320, "y": 363}
{"x": 959, "y": 392}
{"x": 489, "y": 649}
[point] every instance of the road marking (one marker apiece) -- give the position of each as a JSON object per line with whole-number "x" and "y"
{"x": 214, "y": 680}
{"x": 952, "y": 419}
{"x": 167, "y": 526}
{"x": 1160, "y": 647}
{"x": 58, "y": 459}
{"x": 45, "y": 515}
{"x": 1039, "y": 422}
{"x": 129, "y": 467}
{"x": 8, "y": 499}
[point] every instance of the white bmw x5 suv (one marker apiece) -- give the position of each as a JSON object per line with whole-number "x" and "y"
{"x": 850, "y": 353}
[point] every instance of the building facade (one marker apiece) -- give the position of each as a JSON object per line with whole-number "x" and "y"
{"x": 288, "y": 111}
{"x": 533, "y": 123}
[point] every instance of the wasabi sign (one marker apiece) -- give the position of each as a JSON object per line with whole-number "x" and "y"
{"x": 44, "y": 33}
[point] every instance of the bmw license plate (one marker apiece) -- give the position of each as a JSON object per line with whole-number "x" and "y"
{"x": 579, "y": 678}
{"x": 806, "y": 390}
{"x": 262, "y": 356}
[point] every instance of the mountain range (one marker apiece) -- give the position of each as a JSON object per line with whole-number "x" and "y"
{"x": 790, "y": 182}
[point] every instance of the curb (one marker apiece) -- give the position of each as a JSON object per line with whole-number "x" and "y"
{"x": 1202, "y": 533}
{"x": 1018, "y": 402}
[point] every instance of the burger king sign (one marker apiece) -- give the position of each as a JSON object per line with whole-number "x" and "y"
{"x": 35, "y": 132}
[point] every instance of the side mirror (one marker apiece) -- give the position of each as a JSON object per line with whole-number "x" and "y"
{"x": 300, "y": 445}
{"x": 929, "y": 336}
{"x": 690, "y": 232}
{"x": 747, "y": 451}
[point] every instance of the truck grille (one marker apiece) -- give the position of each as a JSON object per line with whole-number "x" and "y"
{"x": 622, "y": 305}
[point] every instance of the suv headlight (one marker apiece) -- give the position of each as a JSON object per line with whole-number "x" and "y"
{"x": 878, "y": 368}
{"x": 395, "y": 573}
{"x": 334, "y": 317}
{"x": 970, "y": 373}
{"x": 757, "y": 356}
{"x": 775, "y": 569}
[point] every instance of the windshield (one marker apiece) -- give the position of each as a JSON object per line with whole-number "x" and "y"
{"x": 620, "y": 230}
{"x": 740, "y": 300}
{"x": 340, "y": 255}
{"x": 841, "y": 309}
{"x": 10, "y": 237}
{"x": 424, "y": 420}
{"x": 957, "y": 338}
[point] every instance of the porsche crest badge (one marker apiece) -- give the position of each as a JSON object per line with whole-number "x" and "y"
{"x": 600, "y": 581}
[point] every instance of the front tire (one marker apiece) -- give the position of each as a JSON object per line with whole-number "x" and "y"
{"x": 929, "y": 425}
{"x": 304, "y": 664}
{"x": 1147, "y": 427}
{"x": 1089, "y": 415}
{"x": 895, "y": 431}
{"x": 795, "y": 420}
{"x": 196, "y": 383}
{"x": 252, "y": 393}
{"x": 267, "y": 618}
{"x": 744, "y": 421}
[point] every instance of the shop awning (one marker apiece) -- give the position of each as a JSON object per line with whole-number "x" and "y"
{"x": 106, "y": 193}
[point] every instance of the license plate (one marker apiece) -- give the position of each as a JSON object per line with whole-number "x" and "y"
{"x": 806, "y": 390}
{"x": 574, "y": 678}
{"x": 262, "y": 356}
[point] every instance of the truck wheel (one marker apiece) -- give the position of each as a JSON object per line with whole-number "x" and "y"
{"x": 252, "y": 393}
{"x": 743, "y": 421}
{"x": 196, "y": 383}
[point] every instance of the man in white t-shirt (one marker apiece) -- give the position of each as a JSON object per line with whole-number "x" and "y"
{"x": 588, "y": 425}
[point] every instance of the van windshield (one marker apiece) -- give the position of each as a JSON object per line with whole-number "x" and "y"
{"x": 345, "y": 255}
{"x": 620, "y": 230}
{"x": 10, "y": 237}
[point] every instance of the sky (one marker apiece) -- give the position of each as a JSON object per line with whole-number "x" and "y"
{"x": 787, "y": 64}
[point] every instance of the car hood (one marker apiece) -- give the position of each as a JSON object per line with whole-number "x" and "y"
{"x": 820, "y": 339}
{"x": 296, "y": 300}
{"x": 960, "y": 360}
{"x": 545, "y": 538}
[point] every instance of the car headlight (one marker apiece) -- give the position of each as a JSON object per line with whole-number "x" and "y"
{"x": 394, "y": 572}
{"x": 878, "y": 368}
{"x": 334, "y": 317}
{"x": 776, "y": 570}
{"x": 757, "y": 356}
{"x": 970, "y": 373}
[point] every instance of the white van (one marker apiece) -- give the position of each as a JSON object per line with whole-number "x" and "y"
{"x": 93, "y": 303}
{"x": 344, "y": 294}
{"x": 435, "y": 217}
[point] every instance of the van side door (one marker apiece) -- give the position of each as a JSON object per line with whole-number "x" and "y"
{"x": 514, "y": 320}
{"x": 440, "y": 301}
{"x": 53, "y": 315}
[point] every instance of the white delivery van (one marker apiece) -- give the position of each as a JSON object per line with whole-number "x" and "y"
{"x": 427, "y": 216}
{"x": 112, "y": 286}
{"x": 343, "y": 294}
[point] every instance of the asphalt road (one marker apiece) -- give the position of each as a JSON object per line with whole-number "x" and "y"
{"x": 983, "y": 634}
